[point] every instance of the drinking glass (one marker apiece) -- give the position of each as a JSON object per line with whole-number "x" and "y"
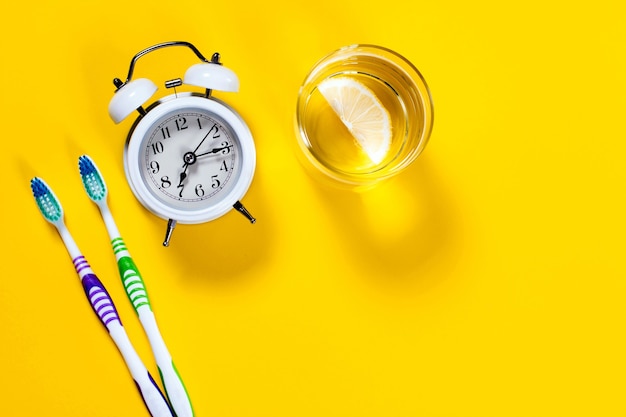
{"x": 401, "y": 106}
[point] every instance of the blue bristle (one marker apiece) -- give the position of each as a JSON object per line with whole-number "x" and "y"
{"x": 85, "y": 166}
{"x": 46, "y": 200}
{"x": 38, "y": 187}
{"x": 94, "y": 183}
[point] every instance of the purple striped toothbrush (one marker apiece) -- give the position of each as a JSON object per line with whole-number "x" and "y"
{"x": 101, "y": 302}
{"x": 96, "y": 189}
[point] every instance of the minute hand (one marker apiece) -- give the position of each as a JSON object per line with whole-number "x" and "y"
{"x": 202, "y": 141}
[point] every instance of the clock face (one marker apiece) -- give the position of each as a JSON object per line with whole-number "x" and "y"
{"x": 190, "y": 159}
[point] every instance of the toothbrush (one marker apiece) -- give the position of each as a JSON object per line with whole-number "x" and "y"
{"x": 95, "y": 187}
{"x": 101, "y": 302}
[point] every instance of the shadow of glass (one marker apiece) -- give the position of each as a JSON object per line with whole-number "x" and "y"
{"x": 402, "y": 232}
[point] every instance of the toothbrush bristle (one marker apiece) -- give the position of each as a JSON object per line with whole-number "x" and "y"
{"x": 46, "y": 200}
{"x": 92, "y": 180}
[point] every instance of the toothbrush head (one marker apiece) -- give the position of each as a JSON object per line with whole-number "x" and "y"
{"x": 92, "y": 179}
{"x": 47, "y": 202}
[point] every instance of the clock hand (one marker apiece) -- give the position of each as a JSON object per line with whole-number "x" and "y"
{"x": 190, "y": 158}
{"x": 180, "y": 185}
{"x": 214, "y": 151}
{"x": 202, "y": 141}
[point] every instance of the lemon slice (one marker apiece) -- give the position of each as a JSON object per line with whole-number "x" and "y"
{"x": 362, "y": 113}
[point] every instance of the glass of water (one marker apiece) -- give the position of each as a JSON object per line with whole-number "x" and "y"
{"x": 364, "y": 113}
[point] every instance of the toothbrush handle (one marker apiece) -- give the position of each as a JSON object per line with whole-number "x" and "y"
{"x": 152, "y": 396}
{"x": 138, "y": 296}
{"x": 103, "y": 306}
{"x": 173, "y": 383}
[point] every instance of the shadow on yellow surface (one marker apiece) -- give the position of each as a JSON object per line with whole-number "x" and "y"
{"x": 396, "y": 231}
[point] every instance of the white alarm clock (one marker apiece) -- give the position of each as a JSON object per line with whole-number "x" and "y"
{"x": 189, "y": 157}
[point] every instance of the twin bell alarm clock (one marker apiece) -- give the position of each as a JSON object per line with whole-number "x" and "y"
{"x": 189, "y": 157}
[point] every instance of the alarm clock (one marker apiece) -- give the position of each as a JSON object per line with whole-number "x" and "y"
{"x": 189, "y": 157}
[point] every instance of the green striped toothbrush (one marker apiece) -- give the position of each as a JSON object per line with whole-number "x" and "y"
{"x": 135, "y": 289}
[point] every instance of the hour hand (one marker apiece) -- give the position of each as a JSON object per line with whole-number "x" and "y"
{"x": 189, "y": 158}
{"x": 214, "y": 150}
{"x": 180, "y": 185}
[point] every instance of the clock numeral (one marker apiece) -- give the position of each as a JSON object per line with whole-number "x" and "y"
{"x": 165, "y": 131}
{"x": 226, "y": 147}
{"x": 181, "y": 124}
{"x": 157, "y": 147}
{"x": 217, "y": 131}
{"x": 224, "y": 167}
{"x": 199, "y": 190}
{"x": 215, "y": 183}
{"x": 154, "y": 166}
{"x": 199, "y": 123}
{"x": 165, "y": 182}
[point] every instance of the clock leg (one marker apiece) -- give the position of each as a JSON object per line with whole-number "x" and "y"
{"x": 241, "y": 209}
{"x": 171, "y": 224}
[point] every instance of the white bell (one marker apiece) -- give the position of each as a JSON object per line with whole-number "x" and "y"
{"x": 212, "y": 76}
{"x": 130, "y": 97}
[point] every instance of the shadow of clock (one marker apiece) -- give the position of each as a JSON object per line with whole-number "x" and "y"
{"x": 404, "y": 233}
{"x": 221, "y": 252}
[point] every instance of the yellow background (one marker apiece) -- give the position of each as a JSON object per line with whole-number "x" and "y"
{"x": 487, "y": 280}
